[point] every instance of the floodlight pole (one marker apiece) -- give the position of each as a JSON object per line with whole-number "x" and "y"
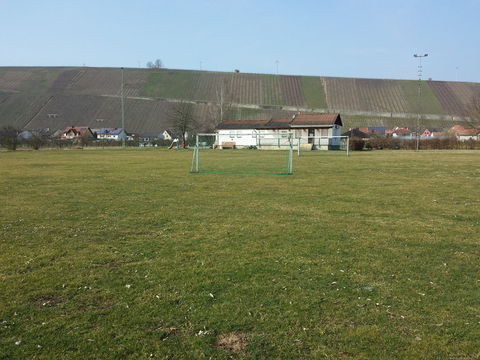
{"x": 419, "y": 94}
{"x": 123, "y": 112}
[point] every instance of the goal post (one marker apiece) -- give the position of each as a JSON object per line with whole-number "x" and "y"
{"x": 321, "y": 144}
{"x": 243, "y": 153}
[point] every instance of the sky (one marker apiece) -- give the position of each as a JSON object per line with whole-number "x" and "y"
{"x": 343, "y": 38}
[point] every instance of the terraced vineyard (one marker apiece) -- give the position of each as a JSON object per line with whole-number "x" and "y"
{"x": 89, "y": 96}
{"x": 18, "y": 109}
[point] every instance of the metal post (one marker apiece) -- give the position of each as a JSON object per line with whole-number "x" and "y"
{"x": 290, "y": 157}
{"x": 198, "y": 154}
{"x": 419, "y": 94}
{"x": 123, "y": 112}
{"x": 348, "y": 145}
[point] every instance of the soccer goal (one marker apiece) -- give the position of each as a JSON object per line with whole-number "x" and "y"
{"x": 243, "y": 153}
{"x": 322, "y": 145}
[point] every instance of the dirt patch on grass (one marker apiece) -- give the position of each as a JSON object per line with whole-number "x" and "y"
{"x": 234, "y": 341}
{"x": 48, "y": 300}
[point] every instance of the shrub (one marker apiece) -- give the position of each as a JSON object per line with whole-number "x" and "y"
{"x": 356, "y": 144}
{"x": 9, "y": 137}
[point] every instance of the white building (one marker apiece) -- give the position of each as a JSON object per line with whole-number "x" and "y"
{"x": 304, "y": 129}
{"x": 111, "y": 134}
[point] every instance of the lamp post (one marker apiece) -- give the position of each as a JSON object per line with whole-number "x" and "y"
{"x": 123, "y": 112}
{"x": 419, "y": 94}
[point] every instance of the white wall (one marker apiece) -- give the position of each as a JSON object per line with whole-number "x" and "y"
{"x": 270, "y": 138}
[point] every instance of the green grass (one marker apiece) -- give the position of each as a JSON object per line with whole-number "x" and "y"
{"x": 104, "y": 252}
{"x": 314, "y": 92}
{"x": 171, "y": 84}
{"x": 273, "y": 94}
{"x": 429, "y": 104}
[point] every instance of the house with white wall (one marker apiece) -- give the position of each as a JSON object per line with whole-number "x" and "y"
{"x": 305, "y": 129}
{"x": 113, "y": 134}
{"x": 464, "y": 134}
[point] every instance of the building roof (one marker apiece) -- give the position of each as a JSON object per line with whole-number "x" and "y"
{"x": 297, "y": 121}
{"x": 77, "y": 130}
{"x": 279, "y": 123}
{"x": 377, "y": 129}
{"x": 401, "y": 130}
{"x": 356, "y": 133}
{"x": 244, "y": 124}
{"x": 460, "y": 130}
{"x": 300, "y": 120}
{"x": 468, "y": 132}
{"x": 109, "y": 131}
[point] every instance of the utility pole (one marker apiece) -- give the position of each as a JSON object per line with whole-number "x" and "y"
{"x": 123, "y": 112}
{"x": 419, "y": 94}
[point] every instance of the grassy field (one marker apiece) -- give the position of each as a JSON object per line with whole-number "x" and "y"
{"x": 314, "y": 92}
{"x": 109, "y": 254}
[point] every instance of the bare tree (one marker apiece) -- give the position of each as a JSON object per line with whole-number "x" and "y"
{"x": 183, "y": 120}
{"x": 9, "y": 137}
{"x": 157, "y": 64}
{"x": 223, "y": 109}
{"x": 37, "y": 141}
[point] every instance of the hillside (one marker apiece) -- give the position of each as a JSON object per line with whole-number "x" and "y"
{"x": 57, "y": 97}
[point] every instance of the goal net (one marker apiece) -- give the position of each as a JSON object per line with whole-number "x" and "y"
{"x": 314, "y": 145}
{"x": 241, "y": 153}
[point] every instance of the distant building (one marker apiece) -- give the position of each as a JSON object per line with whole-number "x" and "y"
{"x": 463, "y": 134}
{"x": 356, "y": 133}
{"x": 171, "y": 135}
{"x": 114, "y": 134}
{"x": 29, "y": 134}
{"x": 377, "y": 130}
{"x": 25, "y": 135}
{"x": 303, "y": 127}
{"x": 398, "y": 132}
{"x": 76, "y": 132}
{"x": 431, "y": 133}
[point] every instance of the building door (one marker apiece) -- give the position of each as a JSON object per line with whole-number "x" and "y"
{"x": 311, "y": 133}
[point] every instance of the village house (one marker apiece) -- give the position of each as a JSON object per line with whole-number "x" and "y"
{"x": 114, "y": 134}
{"x": 399, "y": 132}
{"x": 304, "y": 128}
{"x": 170, "y": 135}
{"x": 377, "y": 130}
{"x": 463, "y": 134}
{"x": 431, "y": 133}
{"x": 357, "y": 133}
{"x": 76, "y": 132}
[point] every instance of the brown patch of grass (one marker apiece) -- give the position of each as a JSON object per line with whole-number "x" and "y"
{"x": 48, "y": 300}
{"x": 234, "y": 341}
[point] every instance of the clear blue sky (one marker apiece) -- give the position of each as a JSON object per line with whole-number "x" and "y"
{"x": 351, "y": 38}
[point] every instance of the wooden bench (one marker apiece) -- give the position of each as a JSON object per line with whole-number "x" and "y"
{"x": 228, "y": 145}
